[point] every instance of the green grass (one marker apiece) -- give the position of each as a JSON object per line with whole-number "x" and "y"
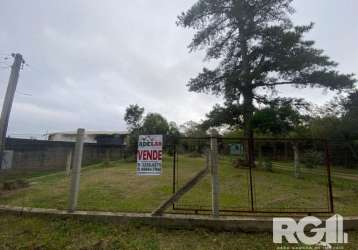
{"x": 16, "y": 174}
{"x": 28, "y": 232}
{"x": 115, "y": 187}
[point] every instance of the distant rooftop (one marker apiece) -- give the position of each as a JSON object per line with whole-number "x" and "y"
{"x": 92, "y": 133}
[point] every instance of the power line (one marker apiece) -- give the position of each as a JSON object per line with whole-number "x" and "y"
{"x": 32, "y": 68}
{"x": 5, "y": 61}
{"x": 21, "y": 93}
{"x": 7, "y": 57}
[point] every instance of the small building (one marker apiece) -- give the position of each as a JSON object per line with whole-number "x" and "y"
{"x": 118, "y": 138}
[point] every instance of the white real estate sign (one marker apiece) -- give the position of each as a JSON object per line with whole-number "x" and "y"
{"x": 149, "y": 155}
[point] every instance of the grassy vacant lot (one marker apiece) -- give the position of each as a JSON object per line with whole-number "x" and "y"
{"x": 46, "y": 233}
{"x": 114, "y": 186}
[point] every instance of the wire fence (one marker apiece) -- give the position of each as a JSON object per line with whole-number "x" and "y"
{"x": 289, "y": 176}
{"x": 36, "y": 173}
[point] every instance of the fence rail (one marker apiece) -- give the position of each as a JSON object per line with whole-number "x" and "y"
{"x": 287, "y": 176}
{"x": 252, "y": 188}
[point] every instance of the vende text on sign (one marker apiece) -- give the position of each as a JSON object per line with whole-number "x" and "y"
{"x": 149, "y": 155}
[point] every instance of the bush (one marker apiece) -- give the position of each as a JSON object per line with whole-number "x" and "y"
{"x": 15, "y": 184}
{"x": 130, "y": 158}
{"x": 268, "y": 165}
{"x": 312, "y": 159}
{"x": 239, "y": 163}
{"x": 195, "y": 154}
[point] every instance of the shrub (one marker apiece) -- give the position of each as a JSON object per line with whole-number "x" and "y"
{"x": 312, "y": 159}
{"x": 15, "y": 184}
{"x": 268, "y": 165}
{"x": 195, "y": 154}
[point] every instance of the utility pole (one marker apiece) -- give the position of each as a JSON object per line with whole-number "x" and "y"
{"x": 8, "y": 100}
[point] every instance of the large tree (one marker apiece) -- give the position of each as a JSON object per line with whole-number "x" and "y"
{"x": 193, "y": 129}
{"x": 281, "y": 117}
{"x": 133, "y": 116}
{"x": 134, "y": 119}
{"x": 350, "y": 115}
{"x": 155, "y": 123}
{"x": 257, "y": 48}
{"x": 337, "y": 121}
{"x": 152, "y": 123}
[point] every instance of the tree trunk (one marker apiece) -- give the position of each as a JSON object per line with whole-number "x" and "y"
{"x": 286, "y": 152}
{"x": 296, "y": 159}
{"x": 248, "y": 132}
{"x": 260, "y": 155}
{"x": 274, "y": 157}
{"x": 247, "y": 93}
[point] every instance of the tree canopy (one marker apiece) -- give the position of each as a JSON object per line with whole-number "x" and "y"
{"x": 152, "y": 123}
{"x": 155, "y": 124}
{"x": 133, "y": 116}
{"x": 257, "y": 48}
{"x": 193, "y": 129}
{"x": 281, "y": 117}
{"x": 338, "y": 120}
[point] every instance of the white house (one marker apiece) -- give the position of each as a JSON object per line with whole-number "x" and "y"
{"x": 101, "y": 137}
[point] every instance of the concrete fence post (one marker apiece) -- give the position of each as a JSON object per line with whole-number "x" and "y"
{"x": 108, "y": 157}
{"x": 68, "y": 162}
{"x": 76, "y": 170}
{"x": 213, "y": 159}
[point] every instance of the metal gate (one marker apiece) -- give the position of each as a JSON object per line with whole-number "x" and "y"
{"x": 272, "y": 184}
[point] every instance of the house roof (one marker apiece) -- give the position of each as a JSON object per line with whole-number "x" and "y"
{"x": 91, "y": 133}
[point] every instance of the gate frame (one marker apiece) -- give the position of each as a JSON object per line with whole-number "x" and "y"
{"x": 251, "y": 158}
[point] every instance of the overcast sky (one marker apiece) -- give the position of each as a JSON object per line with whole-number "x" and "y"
{"x": 88, "y": 59}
